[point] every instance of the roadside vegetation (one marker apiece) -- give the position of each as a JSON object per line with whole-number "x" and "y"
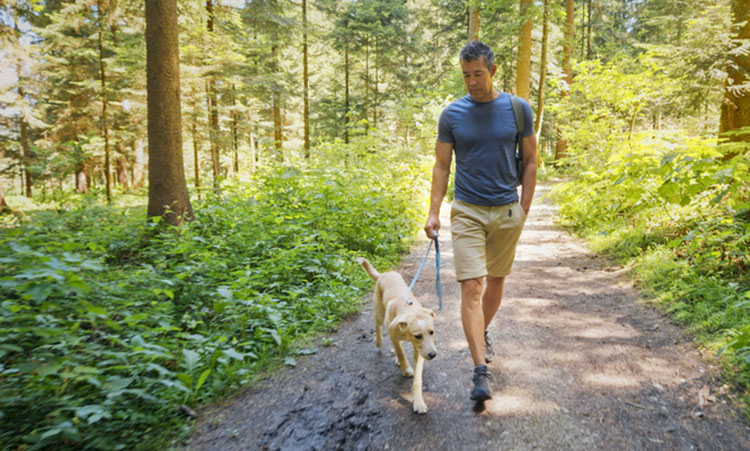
{"x": 105, "y": 335}
{"x": 673, "y": 205}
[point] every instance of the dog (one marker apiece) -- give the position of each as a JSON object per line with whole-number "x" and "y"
{"x": 406, "y": 322}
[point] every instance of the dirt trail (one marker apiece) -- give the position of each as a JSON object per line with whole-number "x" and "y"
{"x": 581, "y": 364}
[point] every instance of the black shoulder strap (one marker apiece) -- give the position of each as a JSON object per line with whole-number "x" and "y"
{"x": 515, "y": 102}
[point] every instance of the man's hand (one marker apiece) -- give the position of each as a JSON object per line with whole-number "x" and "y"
{"x": 431, "y": 226}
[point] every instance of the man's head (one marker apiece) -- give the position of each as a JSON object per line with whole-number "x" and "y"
{"x": 478, "y": 66}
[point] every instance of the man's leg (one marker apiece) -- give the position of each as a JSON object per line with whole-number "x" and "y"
{"x": 472, "y": 317}
{"x": 492, "y": 298}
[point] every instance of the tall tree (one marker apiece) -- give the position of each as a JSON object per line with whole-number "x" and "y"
{"x": 100, "y": 14}
{"x": 306, "y": 80}
{"x": 542, "y": 71}
{"x": 523, "y": 76}
{"x": 167, "y": 189}
{"x": 474, "y": 11}
{"x": 735, "y": 109}
{"x": 568, "y": 43}
{"x": 213, "y": 107}
{"x": 4, "y": 207}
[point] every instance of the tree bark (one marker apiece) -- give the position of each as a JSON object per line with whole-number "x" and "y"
{"x": 122, "y": 173}
{"x": 139, "y": 168}
{"x": 4, "y": 207}
{"x": 542, "y": 71}
{"x": 588, "y": 33}
{"x": 213, "y": 108}
{"x": 105, "y": 129}
{"x": 25, "y": 148}
{"x": 346, "y": 93}
{"x": 523, "y": 78}
{"x": 277, "y": 134}
{"x": 196, "y": 160}
{"x": 167, "y": 190}
{"x": 235, "y": 133}
{"x": 569, "y": 43}
{"x": 735, "y": 108}
{"x": 473, "y": 32}
{"x": 306, "y": 79}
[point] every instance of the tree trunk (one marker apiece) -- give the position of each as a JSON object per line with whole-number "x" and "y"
{"x": 346, "y": 93}
{"x": 735, "y": 108}
{"x": 473, "y": 32}
{"x": 277, "y": 134}
{"x": 377, "y": 88}
{"x": 167, "y": 190}
{"x": 583, "y": 29}
{"x": 569, "y": 43}
{"x": 25, "y": 148}
{"x": 235, "y": 137}
{"x": 588, "y": 33}
{"x": 105, "y": 129}
{"x": 139, "y": 168}
{"x": 196, "y": 160}
{"x": 213, "y": 108}
{"x": 4, "y": 208}
{"x": 542, "y": 71}
{"x": 523, "y": 79}
{"x": 122, "y": 173}
{"x": 367, "y": 80}
{"x": 82, "y": 177}
{"x": 306, "y": 79}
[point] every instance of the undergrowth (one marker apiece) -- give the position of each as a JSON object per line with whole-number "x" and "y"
{"x": 678, "y": 210}
{"x": 109, "y": 323}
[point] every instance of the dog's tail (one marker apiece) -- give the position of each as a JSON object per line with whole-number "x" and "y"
{"x": 369, "y": 268}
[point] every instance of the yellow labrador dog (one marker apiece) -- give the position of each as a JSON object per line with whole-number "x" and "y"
{"x": 412, "y": 323}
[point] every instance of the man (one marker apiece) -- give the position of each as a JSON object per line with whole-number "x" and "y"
{"x": 486, "y": 215}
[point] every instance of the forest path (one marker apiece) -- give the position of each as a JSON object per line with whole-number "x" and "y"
{"x": 580, "y": 363}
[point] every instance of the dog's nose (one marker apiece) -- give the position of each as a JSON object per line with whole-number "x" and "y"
{"x": 432, "y": 355}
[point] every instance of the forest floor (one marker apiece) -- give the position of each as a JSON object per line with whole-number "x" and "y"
{"x": 581, "y": 363}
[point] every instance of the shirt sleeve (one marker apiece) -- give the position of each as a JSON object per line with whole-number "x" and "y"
{"x": 528, "y": 119}
{"x": 445, "y": 131}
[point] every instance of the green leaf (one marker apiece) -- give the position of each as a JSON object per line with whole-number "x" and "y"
{"x": 192, "y": 359}
{"x": 233, "y": 354}
{"x": 202, "y": 379}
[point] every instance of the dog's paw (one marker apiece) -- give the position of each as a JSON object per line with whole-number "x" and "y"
{"x": 409, "y": 372}
{"x": 419, "y": 406}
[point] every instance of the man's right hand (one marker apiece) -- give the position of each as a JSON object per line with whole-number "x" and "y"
{"x": 431, "y": 226}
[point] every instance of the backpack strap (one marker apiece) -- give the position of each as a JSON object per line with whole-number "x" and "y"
{"x": 515, "y": 102}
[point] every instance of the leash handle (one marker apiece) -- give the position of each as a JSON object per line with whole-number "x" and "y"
{"x": 438, "y": 285}
{"x": 437, "y": 269}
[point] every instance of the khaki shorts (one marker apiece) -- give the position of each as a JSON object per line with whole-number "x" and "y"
{"x": 485, "y": 238}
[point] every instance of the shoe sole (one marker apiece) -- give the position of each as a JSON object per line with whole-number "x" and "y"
{"x": 480, "y": 397}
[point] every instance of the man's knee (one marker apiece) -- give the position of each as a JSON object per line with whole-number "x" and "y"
{"x": 471, "y": 290}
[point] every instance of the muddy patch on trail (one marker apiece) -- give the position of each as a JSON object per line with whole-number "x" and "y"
{"x": 580, "y": 363}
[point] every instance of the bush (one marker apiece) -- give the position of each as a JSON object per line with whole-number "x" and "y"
{"x": 108, "y": 324}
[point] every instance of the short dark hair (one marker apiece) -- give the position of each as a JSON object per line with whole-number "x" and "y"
{"x": 478, "y": 49}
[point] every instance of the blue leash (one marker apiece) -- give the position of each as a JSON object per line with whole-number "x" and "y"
{"x": 437, "y": 272}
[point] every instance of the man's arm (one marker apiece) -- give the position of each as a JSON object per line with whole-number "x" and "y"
{"x": 440, "y": 173}
{"x": 528, "y": 180}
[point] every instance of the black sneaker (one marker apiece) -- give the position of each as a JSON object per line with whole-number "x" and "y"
{"x": 489, "y": 353}
{"x": 482, "y": 384}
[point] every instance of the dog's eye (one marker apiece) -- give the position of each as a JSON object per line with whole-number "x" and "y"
{"x": 432, "y": 332}
{"x": 418, "y": 336}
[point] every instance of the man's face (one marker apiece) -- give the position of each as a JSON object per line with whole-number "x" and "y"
{"x": 478, "y": 79}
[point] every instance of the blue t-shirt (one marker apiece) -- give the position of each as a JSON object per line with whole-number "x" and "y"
{"x": 484, "y": 141}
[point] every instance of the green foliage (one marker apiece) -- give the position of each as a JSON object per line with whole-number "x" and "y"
{"x": 108, "y": 325}
{"x": 677, "y": 205}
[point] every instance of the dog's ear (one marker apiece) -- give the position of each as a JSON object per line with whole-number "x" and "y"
{"x": 399, "y": 323}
